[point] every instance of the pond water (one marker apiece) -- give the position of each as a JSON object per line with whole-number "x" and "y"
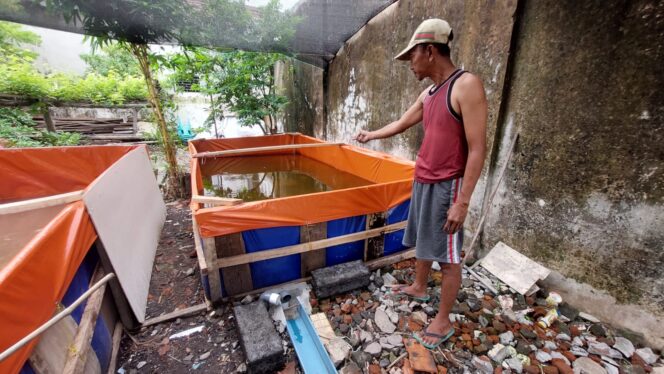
{"x": 257, "y": 178}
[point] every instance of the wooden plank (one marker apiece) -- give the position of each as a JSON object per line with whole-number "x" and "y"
{"x": 80, "y": 347}
{"x": 117, "y": 337}
{"x": 130, "y": 239}
{"x": 199, "y": 247}
{"x": 50, "y": 354}
{"x": 513, "y": 268}
{"x": 175, "y": 314}
{"x": 40, "y": 202}
{"x": 242, "y": 151}
{"x": 214, "y": 200}
{"x": 372, "y": 265}
{"x": 375, "y": 246}
{"x": 312, "y": 260}
{"x": 237, "y": 279}
{"x": 119, "y": 298}
{"x": 214, "y": 280}
{"x": 306, "y": 247}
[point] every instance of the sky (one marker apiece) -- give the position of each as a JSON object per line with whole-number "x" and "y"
{"x": 285, "y": 4}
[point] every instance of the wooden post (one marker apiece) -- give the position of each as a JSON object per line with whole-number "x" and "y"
{"x": 312, "y": 260}
{"x": 375, "y": 246}
{"x": 115, "y": 348}
{"x": 79, "y": 348}
{"x": 237, "y": 279}
{"x": 50, "y": 126}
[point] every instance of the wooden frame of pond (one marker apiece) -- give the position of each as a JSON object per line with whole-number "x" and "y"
{"x": 247, "y": 247}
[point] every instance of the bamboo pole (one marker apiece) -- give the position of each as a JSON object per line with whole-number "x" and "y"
{"x": 242, "y": 151}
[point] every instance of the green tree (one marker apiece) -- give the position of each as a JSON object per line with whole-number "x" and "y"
{"x": 12, "y": 39}
{"x": 112, "y": 58}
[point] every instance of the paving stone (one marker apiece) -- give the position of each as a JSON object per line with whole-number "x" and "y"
{"x": 340, "y": 278}
{"x": 259, "y": 338}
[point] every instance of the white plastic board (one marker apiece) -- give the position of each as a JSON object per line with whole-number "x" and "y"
{"x": 128, "y": 213}
{"x": 513, "y": 268}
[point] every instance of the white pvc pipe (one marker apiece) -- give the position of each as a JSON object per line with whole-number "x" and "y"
{"x": 65, "y": 312}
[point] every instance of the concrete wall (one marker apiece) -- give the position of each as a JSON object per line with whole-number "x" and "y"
{"x": 584, "y": 193}
{"x": 581, "y": 83}
{"x": 303, "y": 85}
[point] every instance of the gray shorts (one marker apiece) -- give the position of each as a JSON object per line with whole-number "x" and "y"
{"x": 427, "y": 215}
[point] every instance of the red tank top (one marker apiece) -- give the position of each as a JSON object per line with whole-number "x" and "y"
{"x": 444, "y": 150}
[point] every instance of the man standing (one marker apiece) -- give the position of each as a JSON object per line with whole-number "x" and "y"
{"x": 453, "y": 111}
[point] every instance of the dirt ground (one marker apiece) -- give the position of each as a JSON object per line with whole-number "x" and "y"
{"x": 175, "y": 284}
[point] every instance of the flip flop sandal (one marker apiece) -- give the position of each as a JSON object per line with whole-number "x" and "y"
{"x": 441, "y": 338}
{"x": 398, "y": 290}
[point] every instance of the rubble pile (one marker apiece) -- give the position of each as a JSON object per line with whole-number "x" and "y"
{"x": 494, "y": 333}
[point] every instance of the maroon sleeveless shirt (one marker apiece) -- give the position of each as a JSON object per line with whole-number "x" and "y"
{"x": 444, "y": 150}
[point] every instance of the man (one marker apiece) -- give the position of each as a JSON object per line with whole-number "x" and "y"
{"x": 454, "y": 112}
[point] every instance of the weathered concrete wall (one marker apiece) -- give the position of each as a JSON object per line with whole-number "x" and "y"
{"x": 368, "y": 89}
{"x": 584, "y": 194}
{"x": 303, "y": 85}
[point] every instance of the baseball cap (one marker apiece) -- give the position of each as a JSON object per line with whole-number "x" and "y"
{"x": 434, "y": 30}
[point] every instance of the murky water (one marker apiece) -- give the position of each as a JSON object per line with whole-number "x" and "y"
{"x": 270, "y": 177}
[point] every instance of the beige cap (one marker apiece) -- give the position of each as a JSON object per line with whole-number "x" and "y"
{"x": 433, "y": 30}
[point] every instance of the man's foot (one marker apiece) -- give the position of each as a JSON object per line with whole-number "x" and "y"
{"x": 436, "y": 333}
{"x": 411, "y": 291}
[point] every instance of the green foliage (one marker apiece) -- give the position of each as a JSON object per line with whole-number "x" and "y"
{"x": 18, "y": 129}
{"x": 12, "y": 36}
{"x": 112, "y": 58}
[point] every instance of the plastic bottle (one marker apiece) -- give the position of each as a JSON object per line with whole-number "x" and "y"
{"x": 548, "y": 319}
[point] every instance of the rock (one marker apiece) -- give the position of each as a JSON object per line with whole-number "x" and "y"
{"x": 568, "y": 311}
{"x": 480, "y": 349}
{"x": 350, "y": 368}
{"x": 241, "y": 368}
{"x": 647, "y": 355}
{"x": 584, "y": 365}
{"x": 577, "y": 341}
{"x": 588, "y": 317}
{"x": 530, "y": 369}
{"x": 563, "y": 368}
{"x": 624, "y": 346}
{"x": 338, "y": 349}
{"x": 420, "y": 317}
{"x": 384, "y": 362}
{"x": 564, "y": 337}
{"x": 383, "y": 322}
{"x": 394, "y": 316}
{"x": 343, "y": 328}
{"x": 560, "y": 356}
{"x": 141, "y": 364}
{"x": 528, "y": 334}
{"x": 389, "y": 280}
{"x": 374, "y": 349}
{"x": 361, "y": 358}
{"x": 365, "y": 336}
{"x": 602, "y": 349}
{"x": 578, "y": 351}
{"x": 499, "y": 326}
{"x": 542, "y": 356}
{"x": 550, "y": 370}
{"x": 523, "y": 347}
{"x": 395, "y": 340}
{"x": 506, "y": 337}
{"x": 514, "y": 364}
{"x": 384, "y": 344}
{"x": 188, "y": 358}
{"x": 498, "y": 353}
{"x": 598, "y": 330}
{"x": 474, "y": 304}
{"x": 205, "y": 356}
{"x": 482, "y": 365}
{"x": 551, "y": 346}
{"x": 247, "y": 300}
{"x": 610, "y": 368}
{"x": 658, "y": 370}
{"x": 189, "y": 272}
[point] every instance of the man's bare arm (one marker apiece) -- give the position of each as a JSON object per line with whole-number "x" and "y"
{"x": 473, "y": 107}
{"x": 412, "y": 117}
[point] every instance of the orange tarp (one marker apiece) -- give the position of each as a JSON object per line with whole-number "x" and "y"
{"x": 391, "y": 185}
{"x": 43, "y": 248}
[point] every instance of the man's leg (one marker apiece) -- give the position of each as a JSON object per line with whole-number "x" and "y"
{"x": 451, "y": 281}
{"x": 419, "y": 287}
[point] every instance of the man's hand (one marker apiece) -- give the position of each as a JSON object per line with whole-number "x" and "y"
{"x": 456, "y": 215}
{"x": 364, "y": 136}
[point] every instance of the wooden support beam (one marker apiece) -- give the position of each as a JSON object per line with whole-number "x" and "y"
{"x": 243, "y": 151}
{"x": 79, "y": 348}
{"x": 312, "y": 260}
{"x": 237, "y": 279}
{"x": 209, "y": 254}
{"x": 50, "y": 126}
{"x": 306, "y": 247}
{"x": 213, "y": 200}
{"x": 372, "y": 265}
{"x": 175, "y": 314}
{"x": 199, "y": 247}
{"x": 115, "y": 348}
{"x": 374, "y": 246}
{"x": 119, "y": 298}
{"x": 40, "y": 202}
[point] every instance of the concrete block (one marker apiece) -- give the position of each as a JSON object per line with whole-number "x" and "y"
{"x": 260, "y": 340}
{"x": 340, "y": 278}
